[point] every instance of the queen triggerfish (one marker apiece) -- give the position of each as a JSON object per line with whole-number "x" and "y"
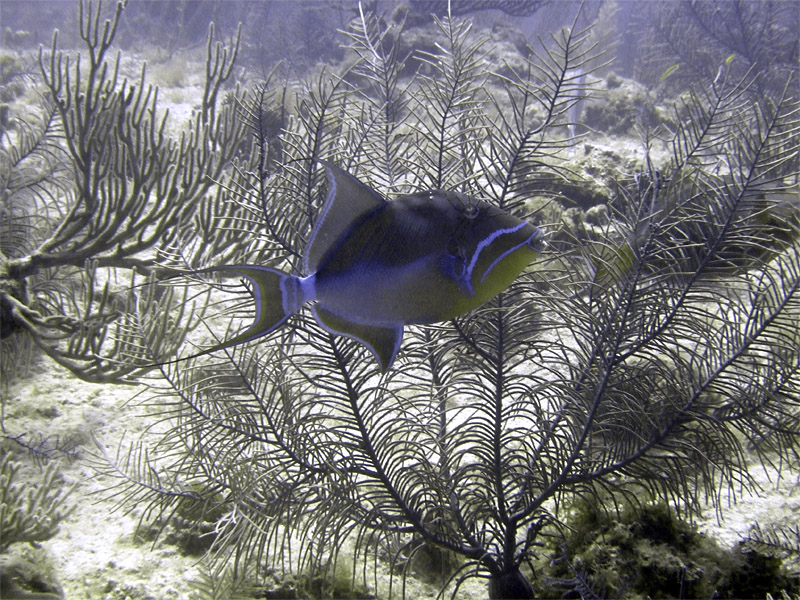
{"x": 373, "y": 266}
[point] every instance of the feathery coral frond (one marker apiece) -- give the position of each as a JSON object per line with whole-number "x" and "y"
{"x": 659, "y": 356}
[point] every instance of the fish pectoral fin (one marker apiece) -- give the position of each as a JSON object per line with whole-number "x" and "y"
{"x": 455, "y": 269}
{"x": 383, "y": 342}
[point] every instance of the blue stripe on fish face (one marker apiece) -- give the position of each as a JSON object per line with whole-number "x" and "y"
{"x": 510, "y": 251}
{"x": 485, "y": 243}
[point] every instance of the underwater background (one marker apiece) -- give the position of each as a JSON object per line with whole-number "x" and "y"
{"x": 622, "y": 421}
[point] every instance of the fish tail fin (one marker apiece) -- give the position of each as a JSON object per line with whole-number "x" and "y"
{"x": 277, "y": 296}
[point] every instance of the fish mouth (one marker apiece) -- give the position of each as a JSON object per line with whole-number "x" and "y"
{"x": 537, "y": 242}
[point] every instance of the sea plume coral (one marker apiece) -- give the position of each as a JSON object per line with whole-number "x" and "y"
{"x": 644, "y": 365}
{"x": 97, "y": 188}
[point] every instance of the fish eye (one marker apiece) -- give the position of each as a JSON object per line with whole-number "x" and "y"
{"x": 471, "y": 211}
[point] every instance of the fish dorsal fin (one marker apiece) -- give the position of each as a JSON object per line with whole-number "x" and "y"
{"x": 348, "y": 199}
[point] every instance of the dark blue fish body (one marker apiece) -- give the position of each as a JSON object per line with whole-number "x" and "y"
{"x": 373, "y": 266}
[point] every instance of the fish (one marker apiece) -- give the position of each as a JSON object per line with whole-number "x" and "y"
{"x": 373, "y": 266}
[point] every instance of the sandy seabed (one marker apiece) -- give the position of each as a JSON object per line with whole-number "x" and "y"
{"x": 96, "y": 554}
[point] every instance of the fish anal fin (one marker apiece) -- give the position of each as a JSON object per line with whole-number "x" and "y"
{"x": 383, "y": 342}
{"x": 348, "y": 199}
